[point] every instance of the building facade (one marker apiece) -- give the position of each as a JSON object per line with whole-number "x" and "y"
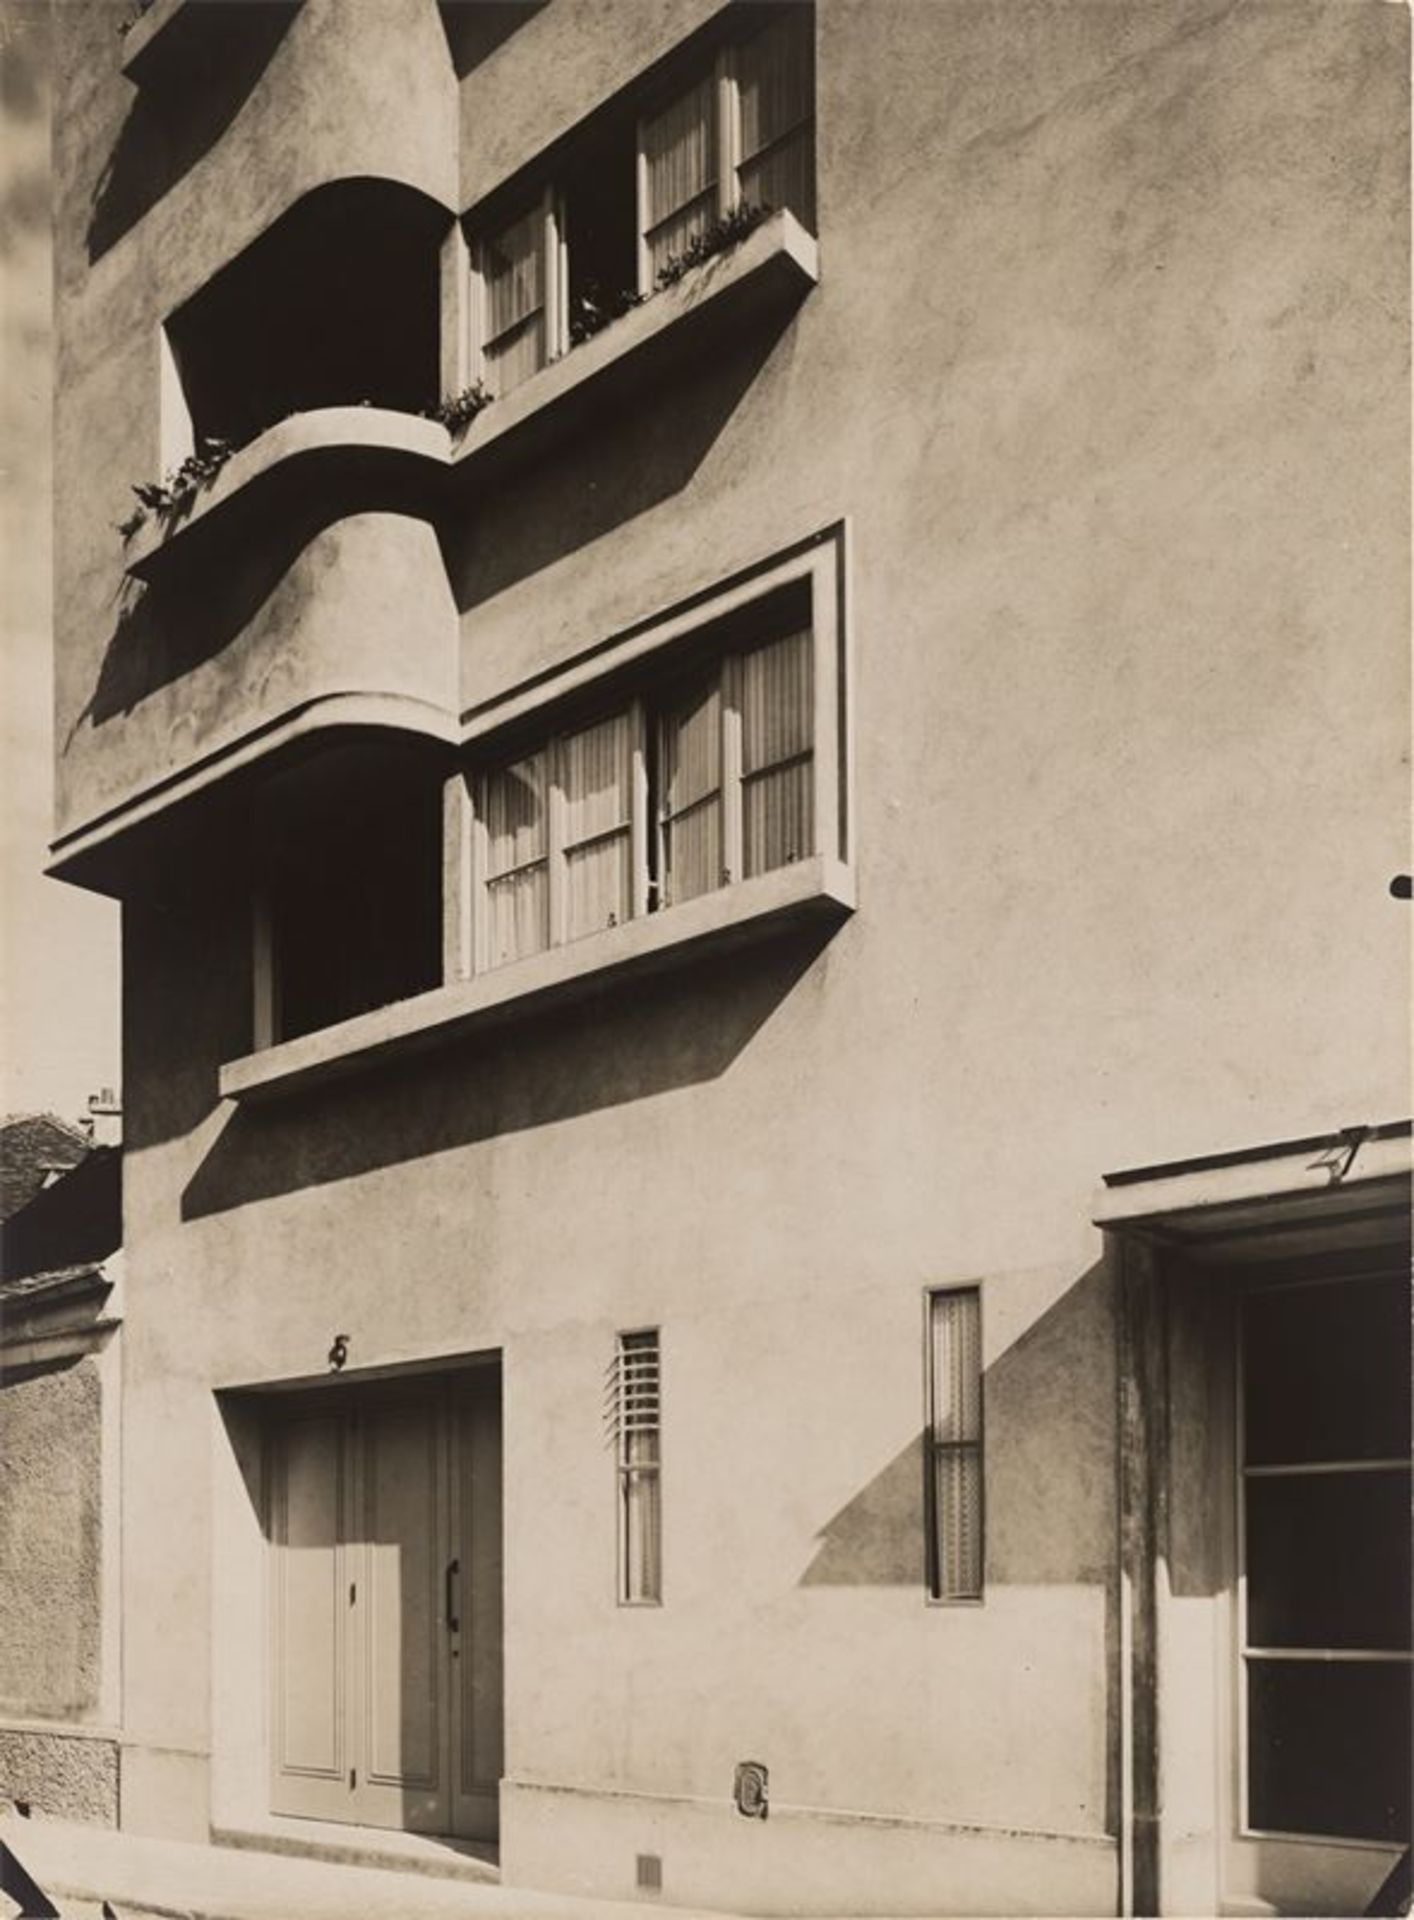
{"x": 752, "y": 733}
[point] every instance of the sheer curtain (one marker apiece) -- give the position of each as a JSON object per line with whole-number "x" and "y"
{"x": 596, "y": 777}
{"x": 777, "y": 761}
{"x": 513, "y": 270}
{"x": 680, "y": 151}
{"x": 690, "y": 811}
{"x": 955, "y": 1341}
{"x": 775, "y": 83}
{"x": 517, "y": 860}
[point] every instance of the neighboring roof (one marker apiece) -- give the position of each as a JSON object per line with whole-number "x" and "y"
{"x": 76, "y": 1222}
{"x": 33, "y": 1146}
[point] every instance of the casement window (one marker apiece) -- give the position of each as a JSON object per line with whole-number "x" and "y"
{"x": 953, "y": 1444}
{"x": 697, "y": 780}
{"x": 734, "y": 129}
{"x": 741, "y": 134}
{"x": 637, "y": 1421}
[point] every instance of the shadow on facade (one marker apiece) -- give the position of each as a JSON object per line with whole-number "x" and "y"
{"x": 1050, "y": 1517}
{"x": 170, "y": 127}
{"x": 580, "y": 1060}
{"x": 602, "y": 476}
{"x": 475, "y": 28}
{"x": 168, "y": 626}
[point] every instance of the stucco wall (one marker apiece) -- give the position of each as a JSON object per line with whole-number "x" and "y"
{"x": 1102, "y": 371}
{"x": 51, "y": 1542}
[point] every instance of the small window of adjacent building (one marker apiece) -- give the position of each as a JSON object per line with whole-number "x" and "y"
{"x": 695, "y": 780}
{"x": 954, "y": 1444}
{"x": 733, "y": 130}
{"x": 638, "y": 1409}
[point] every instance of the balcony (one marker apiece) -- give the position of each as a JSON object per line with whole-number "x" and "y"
{"x": 167, "y": 36}
{"x": 767, "y": 273}
{"x": 814, "y": 892}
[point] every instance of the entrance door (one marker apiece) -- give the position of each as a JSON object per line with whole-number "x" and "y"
{"x": 386, "y": 1646}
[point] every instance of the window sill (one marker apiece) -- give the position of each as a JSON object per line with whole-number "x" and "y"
{"x": 773, "y": 267}
{"x": 345, "y": 442}
{"x": 818, "y": 889}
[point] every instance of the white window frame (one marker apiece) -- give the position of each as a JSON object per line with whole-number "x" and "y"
{"x": 817, "y": 563}
{"x": 721, "y": 67}
{"x": 727, "y": 140}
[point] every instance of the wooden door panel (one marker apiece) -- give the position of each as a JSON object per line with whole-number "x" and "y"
{"x": 310, "y": 1723}
{"x": 402, "y": 1637}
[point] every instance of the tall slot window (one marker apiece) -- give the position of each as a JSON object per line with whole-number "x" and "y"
{"x": 954, "y": 1444}
{"x": 698, "y": 783}
{"x": 775, "y": 80}
{"x": 638, "y": 1415}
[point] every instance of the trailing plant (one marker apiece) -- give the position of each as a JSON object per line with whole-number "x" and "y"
{"x": 718, "y": 238}
{"x": 592, "y": 310}
{"x": 175, "y": 492}
{"x": 457, "y": 413}
{"x": 134, "y": 14}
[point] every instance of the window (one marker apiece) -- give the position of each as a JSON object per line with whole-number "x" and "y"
{"x": 735, "y": 130}
{"x": 954, "y": 1444}
{"x": 637, "y": 1413}
{"x": 1324, "y": 1493}
{"x": 699, "y": 778}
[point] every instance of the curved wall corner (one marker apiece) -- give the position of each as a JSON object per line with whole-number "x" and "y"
{"x": 360, "y": 621}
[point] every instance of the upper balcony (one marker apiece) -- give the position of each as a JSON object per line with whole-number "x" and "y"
{"x": 338, "y": 397}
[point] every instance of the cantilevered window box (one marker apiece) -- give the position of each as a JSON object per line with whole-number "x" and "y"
{"x": 816, "y": 891}
{"x": 337, "y": 459}
{"x": 769, "y": 271}
{"x": 166, "y": 38}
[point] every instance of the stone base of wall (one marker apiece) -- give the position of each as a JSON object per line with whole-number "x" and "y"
{"x": 62, "y": 1773}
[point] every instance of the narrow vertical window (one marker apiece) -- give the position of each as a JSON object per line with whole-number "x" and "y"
{"x": 679, "y": 175}
{"x": 954, "y": 1444}
{"x": 776, "y": 90}
{"x": 638, "y": 1411}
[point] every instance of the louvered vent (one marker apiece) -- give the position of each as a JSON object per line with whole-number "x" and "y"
{"x": 636, "y": 1418}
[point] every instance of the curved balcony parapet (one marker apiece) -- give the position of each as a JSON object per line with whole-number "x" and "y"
{"x": 317, "y": 455}
{"x": 334, "y": 626}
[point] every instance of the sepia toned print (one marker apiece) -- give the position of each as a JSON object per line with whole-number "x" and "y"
{"x": 742, "y": 673}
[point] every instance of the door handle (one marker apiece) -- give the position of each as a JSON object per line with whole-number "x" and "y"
{"x": 454, "y": 1625}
